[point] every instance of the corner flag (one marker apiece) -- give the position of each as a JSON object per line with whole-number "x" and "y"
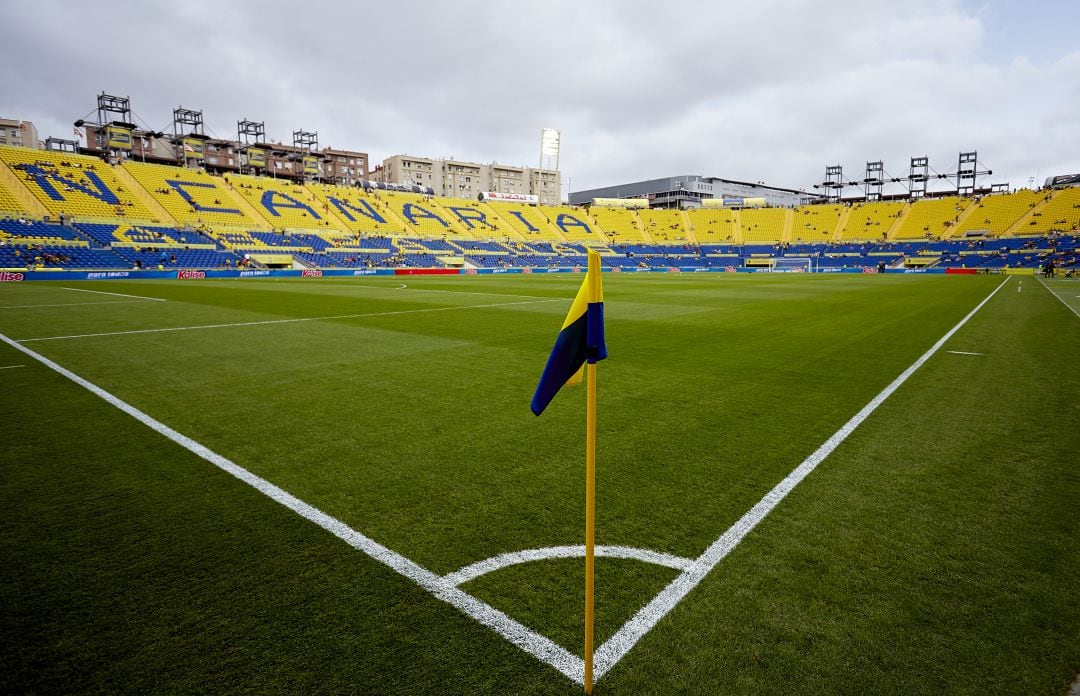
{"x": 581, "y": 339}
{"x": 581, "y": 342}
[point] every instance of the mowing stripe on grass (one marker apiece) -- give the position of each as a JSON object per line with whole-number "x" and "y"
{"x": 118, "y": 294}
{"x": 70, "y": 304}
{"x": 471, "y": 572}
{"x": 609, "y": 654}
{"x": 283, "y": 321}
{"x": 403, "y": 286}
{"x": 520, "y": 635}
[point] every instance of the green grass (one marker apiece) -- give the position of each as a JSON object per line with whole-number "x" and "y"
{"x": 936, "y": 550}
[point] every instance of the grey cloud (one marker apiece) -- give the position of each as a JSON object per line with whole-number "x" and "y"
{"x": 767, "y": 90}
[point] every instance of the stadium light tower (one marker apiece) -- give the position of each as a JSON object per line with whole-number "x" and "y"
{"x": 250, "y": 133}
{"x": 967, "y": 172}
{"x": 308, "y": 143}
{"x": 873, "y": 181}
{"x": 549, "y": 152}
{"x": 188, "y": 133}
{"x": 918, "y": 175}
{"x": 834, "y": 182}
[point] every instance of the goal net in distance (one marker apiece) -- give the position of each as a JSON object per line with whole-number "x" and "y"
{"x": 792, "y": 264}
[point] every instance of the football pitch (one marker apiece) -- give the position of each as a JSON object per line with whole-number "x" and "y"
{"x": 805, "y": 484}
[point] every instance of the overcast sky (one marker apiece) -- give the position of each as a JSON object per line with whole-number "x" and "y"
{"x": 758, "y": 91}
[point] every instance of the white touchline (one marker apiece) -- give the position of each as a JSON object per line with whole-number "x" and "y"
{"x": 70, "y": 304}
{"x": 608, "y": 654}
{"x": 471, "y": 572}
{"x": 118, "y": 294}
{"x": 1048, "y": 289}
{"x": 520, "y": 635}
{"x": 962, "y": 352}
{"x": 279, "y": 321}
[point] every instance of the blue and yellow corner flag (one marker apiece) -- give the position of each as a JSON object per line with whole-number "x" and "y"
{"x": 581, "y": 339}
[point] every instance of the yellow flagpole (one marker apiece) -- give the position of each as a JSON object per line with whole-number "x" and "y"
{"x": 590, "y": 518}
{"x": 593, "y": 278}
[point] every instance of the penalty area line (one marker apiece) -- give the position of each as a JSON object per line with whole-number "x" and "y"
{"x": 616, "y": 647}
{"x": 544, "y": 649}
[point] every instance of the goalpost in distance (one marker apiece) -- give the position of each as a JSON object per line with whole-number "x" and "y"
{"x": 792, "y": 264}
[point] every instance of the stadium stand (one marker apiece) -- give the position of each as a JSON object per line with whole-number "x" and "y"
{"x": 74, "y": 185}
{"x": 712, "y": 225}
{"x": 424, "y": 216}
{"x": 871, "y": 221}
{"x": 362, "y": 212}
{"x": 284, "y": 204}
{"x": 23, "y": 231}
{"x": 763, "y": 224}
{"x": 663, "y": 226}
{"x": 1060, "y": 213}
{"x": 150, "y": 216}
{"x": 527, "y": 220}
{"x": 932, "y": 218}
{"x": 994, "y": 214}
{"x": 574, "y": 223}
{"x": 192, "y": 196}
{"x": 618, "y": 224}
{"x": 816, "y": 223}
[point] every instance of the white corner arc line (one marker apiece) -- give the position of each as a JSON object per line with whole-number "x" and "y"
{"x": 118, "y": 294}
{"x": 11, "y": 367}
{"x": 279, "y": 321}
{"x": 471, "y": 572}
{"x": 616, "y": 647}
{"x": 541, "y": 647}
{"x": 962, "y": 352}
{"x": 70, "y": 304}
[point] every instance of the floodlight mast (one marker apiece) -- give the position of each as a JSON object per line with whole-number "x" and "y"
{"x": 918, "y": 175}
{"x": 247, "y": 133}
{"x": 874, "y": 181}
{"x": 549, "y": 148}
{"x": 185, "y": 117}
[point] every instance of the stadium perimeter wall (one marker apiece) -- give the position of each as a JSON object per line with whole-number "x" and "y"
{"x": 20, "y": 276}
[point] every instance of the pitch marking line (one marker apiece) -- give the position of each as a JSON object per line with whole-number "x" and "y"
{"x": 471, "y": 572}
{"x": 1051, "y": 291}
{"x": 608, "y": 654}
{"x": 70, "y": 304}
{"x": 520, "y": 635}
{"x": 283, "y": 321}
{"x": 11, "y": 367}
{"x": 962, "y": 352}
{"x": 117, "y": 294}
